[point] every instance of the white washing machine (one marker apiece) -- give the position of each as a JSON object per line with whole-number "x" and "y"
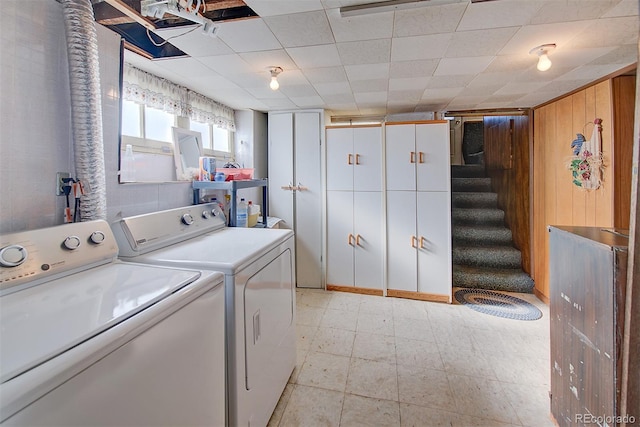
{"x": 89, "y": 340}
{"x": 260, "y": 294}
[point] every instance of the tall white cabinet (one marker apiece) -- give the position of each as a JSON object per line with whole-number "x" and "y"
{"x": 355, "y": 227}
{"x": 295, "y": 186}
{"x": 418, "y": 189}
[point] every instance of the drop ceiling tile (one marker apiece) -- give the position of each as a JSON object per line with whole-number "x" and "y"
{"x": 407, "y": 69}
{"x": 479, "y": 43}
{"x": 187, "y": 67}
{"x": 251, "y": 80}
{"x": 532, "y": 75}
{"x": 233, "y": 97}
{"x": 301, "y": 29}
{"x": 342, "y": 98}
{"x": 571, "y": 10}
{"x": 365, "y": 52}
{"x": 534, "y": 99}
{"x": 279, "y": 104}
{"x": 369, "y": 85}
{"x": 298, "y": 90}
{"x": 462, "y": 66}
{"x": 248, "y": 35}
{"x": 227, "y": 65}
{"x": 404, "y": 96}
{"x": 576, "y": 57}
{"x": 522, "y": 89}
{"x": 212, "y": 82}
{"x": 293, "y": 78}
{"x": 414, "y": 83}
{"x": 428, "y": 20}
{"x": 307, "y": 101}
{"x": 564, "y": 86}
{"x": 626, "y": 54}
{"x": 196, "y": 43}
{"x": 481, "y": 90}
{"x": 260, "y": 61}
{"x": 326, "y": 75}
{"x": 511, "y": 63}
{"x": 419, "y": 47}
{"x": 607, "y": 32}
{"x": 430, "y": 107}
{"x": 534, "y": 35}
{"x": 498, "y": 14}
{"x": 371, "y": 110}
{"x": 265, "y": 92}
{"x": 283, "y": 7}
{"x": 589, "y": 72}
{"x": 338, "y": 109}
{"x": 365, "y": 27}
{"x": 441, "y": 93}
{"x": 492, "y": 105}
{"x": 315, "y": 56}
{"x": 624, "y": 8}
{"x": 491, "y": 79}
{"x": 467, "y": 103}
{"x": 437, "y": 82}
{"x": 367, "y": 71}
{"x": 332, "y": 88}
{"x": 370, "y": 97}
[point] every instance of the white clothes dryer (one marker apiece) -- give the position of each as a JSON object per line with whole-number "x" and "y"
{"x": 88, "y": 340}
{"x": 258, "y": 265}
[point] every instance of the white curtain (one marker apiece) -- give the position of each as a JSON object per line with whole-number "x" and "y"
{"x": 144, "y": 88}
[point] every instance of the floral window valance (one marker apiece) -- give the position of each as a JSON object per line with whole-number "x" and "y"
{"x": 157, "y": 92}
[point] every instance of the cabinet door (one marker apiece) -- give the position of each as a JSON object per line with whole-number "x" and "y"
{"x": 308, "y": 200}
{"x": 367, "y": 149}
{"x": 367, "y": 227}
{"x": 402, "y": 264}
{"x": 433, "y": 165}
{"x": 340, "y": 159}
{"x": 281, "y": 167}
{"x": 401, "y": 157}
{"x": 339, "y": 246}
{"x": 434, "y": 242}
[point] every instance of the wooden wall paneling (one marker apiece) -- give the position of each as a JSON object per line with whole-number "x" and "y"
{"x": 579, "y": 119}
{"x": 549, "y": 184}
{"x": 624, "y": 89}
{"x": 538, "y": 196}
{"x": 522, "y": 197}
{"x": 604, "y": 195}
{"x": 562, "y": 148}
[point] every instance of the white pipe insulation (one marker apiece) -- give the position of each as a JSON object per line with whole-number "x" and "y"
{"x": 86, "y": 106}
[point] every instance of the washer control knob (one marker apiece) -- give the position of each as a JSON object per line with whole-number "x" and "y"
{"x": 214, "y": 212}
{"x": 13, "y": 255}
{"x": 205, "y": 214}
{"x": 72, "y": 243}
{"x": 187, "y": 219}
{"x": 97, "y": 237}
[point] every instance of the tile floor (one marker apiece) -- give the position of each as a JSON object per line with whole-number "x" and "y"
{"x": 374, "y": 361}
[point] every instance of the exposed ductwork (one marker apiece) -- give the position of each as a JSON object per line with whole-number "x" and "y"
{"x": 86, "y": 106}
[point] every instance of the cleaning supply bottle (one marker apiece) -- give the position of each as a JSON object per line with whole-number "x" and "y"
{"x": 227, "y": 207}
{"x": 242, "y": 214}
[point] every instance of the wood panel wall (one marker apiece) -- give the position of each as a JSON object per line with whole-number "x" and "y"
{"x": 556, "y": 201}
{"x": 507, "y": 160}
{"x": 624, "y": 90}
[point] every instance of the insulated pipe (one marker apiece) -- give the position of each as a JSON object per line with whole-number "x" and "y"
{"x": 86, "y": 106}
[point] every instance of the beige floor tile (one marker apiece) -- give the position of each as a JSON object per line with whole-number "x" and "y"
{"x": 421, "y": 354}
{"x": 314, "y": 298}
{"x": 482, "y": 398}
{"x": 471, "y": 421}
{"x": 301, "y": 355}
{"x": 470, "y": 362}
{"x": 522, "y": 370}
{"x": 425, "y": 387}
{"x": 381, "y": 348}
{"x": 373, "y": 379}
{"x": 359, "y": 411}
{"x": 376, "y": 305}
{"x": 334, "y": 341}
{"x": 313, "y": 407}
{"x": 411, "y": 309}
{"x": 452, "y": 335}
{"x": 375, "y": 324}
{"x": 281, "y": 406}
{"x": 324, "y": 370}
{"x": 532, "y": 404}
{"x": 420, "y": 416}
{"x": 415, "y": 329}
{"x": 345, "y": 301}
{"x": 339, "y": 319}
{"x": 305, "y": 336}
{"x": 309, "y": 316}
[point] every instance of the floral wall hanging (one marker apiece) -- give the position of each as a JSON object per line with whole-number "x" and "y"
{"x": 587, "y": 164}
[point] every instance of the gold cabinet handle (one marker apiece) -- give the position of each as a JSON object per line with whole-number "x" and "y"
{"x": 414, "y": 242}
{"x": 357, "y": 240}
{"x": 350, "y": 240}
{"x": 300, "y": 187}
{"x": 422, "y": 240}
{"x": 350, "y": 159}
{"x": 288, "y": 187}
{"x": 412, "y": 158}
{"x": 421, "y": 157}
{"x": 357, "y": 159}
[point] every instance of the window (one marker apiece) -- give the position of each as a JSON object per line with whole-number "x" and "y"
{"x": 131, "y": 119}
{"x": 205, "y": 130}
{"x": 215, "y": 141}
{"x": 157, "y": 124}
{"x": 147, "y": 129}
{"x": 221, "y": 139}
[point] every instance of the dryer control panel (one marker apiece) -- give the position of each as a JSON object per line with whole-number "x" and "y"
{"x": 28, "y": 257}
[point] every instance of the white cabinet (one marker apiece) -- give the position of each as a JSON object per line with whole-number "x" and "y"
{"x": 354, "y": 158}
{"x": 355, "y": 239}
{"x": 417, "y": 158}
{"x": 295, "y": 186}
{"x": 418, "y": 211}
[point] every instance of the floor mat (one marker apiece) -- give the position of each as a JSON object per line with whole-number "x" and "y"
{"x": 497, "y": 304}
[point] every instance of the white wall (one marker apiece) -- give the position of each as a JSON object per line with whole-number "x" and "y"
{"x": 35, "y": 123}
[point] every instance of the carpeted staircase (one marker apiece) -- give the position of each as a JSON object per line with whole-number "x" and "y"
{"x": 483, "y": 253}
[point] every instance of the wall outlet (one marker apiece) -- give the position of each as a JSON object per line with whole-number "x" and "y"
{"x": 59, "y": 177}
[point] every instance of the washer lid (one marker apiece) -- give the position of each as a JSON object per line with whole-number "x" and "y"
{"x": 41, "y": 322}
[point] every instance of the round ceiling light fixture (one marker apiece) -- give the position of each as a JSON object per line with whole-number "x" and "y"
{"x": 544, "y": 63}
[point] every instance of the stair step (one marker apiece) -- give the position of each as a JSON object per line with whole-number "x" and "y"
{"x": 471, "y": 184}
{"x": 487, "y": 256}
{"x": 474, "y": 200}
{"x": 467, "y": 171}
{"x": 481, "y": 236}
{"x": 510, "y": 280}
{"x": 462, "y": 216}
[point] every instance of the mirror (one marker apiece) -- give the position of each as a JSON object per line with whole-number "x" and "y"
{"x": 187, "y": 151}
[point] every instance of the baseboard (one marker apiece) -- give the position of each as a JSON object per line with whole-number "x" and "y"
{"x": 419, "y": 296}
{"x": 355, "y": 290}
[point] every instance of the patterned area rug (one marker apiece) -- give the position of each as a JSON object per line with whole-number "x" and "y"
{"x": 497, "y": 304}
